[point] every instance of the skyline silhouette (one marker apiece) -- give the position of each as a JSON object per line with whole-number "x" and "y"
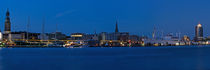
{"x": 89, "y": 16}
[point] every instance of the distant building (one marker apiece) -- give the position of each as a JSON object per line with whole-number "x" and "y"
{"x": 170, "y": 37}
{"x": 142, "y": 38}
{"x": 83, "y": 36}
{"x": 1, "y": 36}
{"x": 7, "y": 29}
{"x": 113, "y": 39}
{"x": 56, "y": 36}
{"x": 134, "y": 38}
{"x": 23, "y": 36}
{"x": 186, "y": 38}
{"x": 34, "y": 36}
{"x": 43, "y": 36}
{"x": 122, "y": 36}
{"x": 91, "y": 36}
{"x": 198, "y": 32}
{"x": 92, "y": 39}
{"x": 37, "y": 36}
{"x": 18, "y": 35}
{"x": 95, "y": 37}
{"x": 77, "y": 36}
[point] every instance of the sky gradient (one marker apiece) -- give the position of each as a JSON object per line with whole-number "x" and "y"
{"x": 135, "y": 16}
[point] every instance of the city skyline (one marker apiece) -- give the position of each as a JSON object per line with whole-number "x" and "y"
{"x": 7, "y": 27}
{"x": 104, "y": 34}
{"x": 135, "y": 18}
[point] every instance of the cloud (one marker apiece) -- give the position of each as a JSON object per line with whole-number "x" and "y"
{"x": 64, "y": 13}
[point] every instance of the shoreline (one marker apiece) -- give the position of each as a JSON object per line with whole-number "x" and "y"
{"x": 103, "y": 46}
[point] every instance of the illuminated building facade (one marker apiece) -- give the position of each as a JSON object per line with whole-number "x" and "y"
{"x": 83, "y": 36}
{"x": 77, "y": 36}
{"x": 1, "y": 36}
{"x": 23, "y": 36}
{"x": 198, "y": 32}
{"x": 186, "y": 38}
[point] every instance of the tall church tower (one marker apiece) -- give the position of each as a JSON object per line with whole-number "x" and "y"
{"x": 116, "y": 28}
{"x": 7, "y": 28}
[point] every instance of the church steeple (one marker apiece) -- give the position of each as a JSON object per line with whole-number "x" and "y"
{"x": 7, "y": 14}
{"x": 116, "y": 27}
{"x": 7, "y": 28}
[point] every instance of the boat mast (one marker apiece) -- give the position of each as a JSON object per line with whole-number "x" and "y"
{"x": 43, "y": 26}
{"x": 56, "y": 31}
{"x": 28, "y": 26}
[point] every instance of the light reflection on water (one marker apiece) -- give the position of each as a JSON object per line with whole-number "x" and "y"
{"x": 140, "y": 58}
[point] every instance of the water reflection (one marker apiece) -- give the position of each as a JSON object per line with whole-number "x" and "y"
{"x": 1, "y": 65}
{"x": 105, "y": 58}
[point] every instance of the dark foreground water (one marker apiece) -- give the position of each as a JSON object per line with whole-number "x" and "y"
{"x": 139, "y": 58}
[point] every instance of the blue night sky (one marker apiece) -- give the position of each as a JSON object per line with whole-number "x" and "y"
{"x": 135, "y": 16}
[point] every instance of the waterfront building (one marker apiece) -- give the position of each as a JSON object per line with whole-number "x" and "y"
{"x": 34, "y": 36}
{"x": 114, "y": 39}
{"x": 18, "y": 35}
{"x": 43, "y": 36}
{"x": 167, "y": 40}
{"x": 77, "y": 36}
{"x": 91, "y": 36}
{"x": 207, "y": 38}
{"x": 186, "y": 38}
{"x": 171, "y": 37}
{"x": 84, "y": 39}
{"x": 134, "y": 38}
{"x": 22, "y": 35}
{"x": 95, "y": 37}
{"x": 121, "y": 36}
{"x": 198, "y": 32}
{"x": 84, "y": 36}
{"x": 56, "y": 36}
{"x": 102, "y": 36}
{"x": 1, "y": 36}
{"x": 92, "y": 40}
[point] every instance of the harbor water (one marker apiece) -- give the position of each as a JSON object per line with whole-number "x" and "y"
{"x": 115, "y": 58}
